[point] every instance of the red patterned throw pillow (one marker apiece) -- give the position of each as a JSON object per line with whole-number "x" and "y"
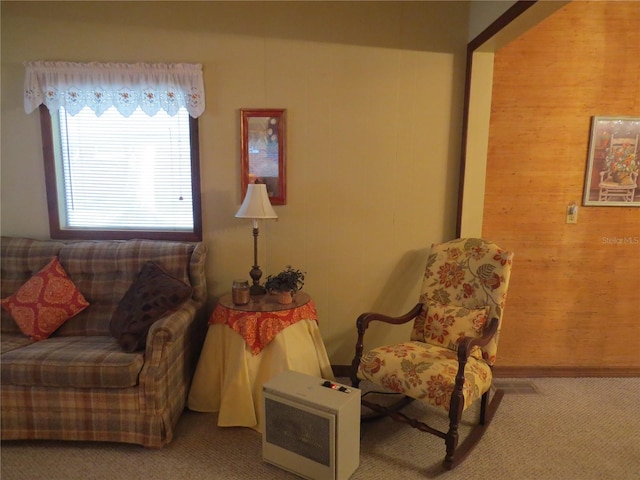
{"x": 45, "y": 301}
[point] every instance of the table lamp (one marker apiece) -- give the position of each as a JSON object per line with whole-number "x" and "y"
{"x": 256, "y": 205}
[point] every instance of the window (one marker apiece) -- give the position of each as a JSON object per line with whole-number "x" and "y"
{"x": 120, "y": 144}
{"x": 122, "y": 177}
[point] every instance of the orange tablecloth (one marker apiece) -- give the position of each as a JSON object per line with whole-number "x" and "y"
{"x": 259, "y": 328}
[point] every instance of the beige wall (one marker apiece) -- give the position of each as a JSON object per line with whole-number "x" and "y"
{"x": 374, "y": 99}
{"x": 484, "y": 13}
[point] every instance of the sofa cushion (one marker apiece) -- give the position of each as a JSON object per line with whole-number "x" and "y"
{"x": 12, "y": 341}
{"x": 153, "y": 294}
{"x": 45, "y": 301}
{"x": 75, "y": 362}
{"x": 104, "y": 270}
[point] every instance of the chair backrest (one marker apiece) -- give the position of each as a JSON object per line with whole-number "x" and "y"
{"x": 465, "y": 282}
{"x": 632, "y": 142}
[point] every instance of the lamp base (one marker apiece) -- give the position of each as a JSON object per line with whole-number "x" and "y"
{"x": 257, "y": 290}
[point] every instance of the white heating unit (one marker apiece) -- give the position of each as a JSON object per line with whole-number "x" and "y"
{"x": 311, "y": 426}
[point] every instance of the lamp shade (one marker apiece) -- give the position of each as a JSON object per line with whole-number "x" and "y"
{"x": 256, "y": 203}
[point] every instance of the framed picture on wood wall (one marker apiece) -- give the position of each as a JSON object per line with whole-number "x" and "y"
{"x": 263, "y": 151}
{"x": 613, "y": 164}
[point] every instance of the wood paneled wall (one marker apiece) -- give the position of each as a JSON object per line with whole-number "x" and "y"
{"x": 574, "y": 299}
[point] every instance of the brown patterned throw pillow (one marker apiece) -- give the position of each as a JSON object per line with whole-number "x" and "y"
{"x": 151, "y": 295}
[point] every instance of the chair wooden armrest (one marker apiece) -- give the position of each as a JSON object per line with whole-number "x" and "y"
{"x": 467, "y": 343}
{"x": 456, "y": 406}
{"x": 362, "y": 323}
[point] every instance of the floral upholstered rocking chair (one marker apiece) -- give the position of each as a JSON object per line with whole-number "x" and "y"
{"x": 448, "y": 361}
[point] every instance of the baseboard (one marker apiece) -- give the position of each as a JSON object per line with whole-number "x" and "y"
{"x": 532, "y": 372}
{"x": 568, "y": 371}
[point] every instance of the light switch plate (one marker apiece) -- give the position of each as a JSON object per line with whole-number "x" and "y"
{"x": 572, "y": 214}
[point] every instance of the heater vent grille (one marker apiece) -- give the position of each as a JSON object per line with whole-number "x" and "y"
{"x": 298, "y": 431}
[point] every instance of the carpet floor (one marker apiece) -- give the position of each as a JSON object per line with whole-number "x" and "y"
{"x": 545, "y": 429}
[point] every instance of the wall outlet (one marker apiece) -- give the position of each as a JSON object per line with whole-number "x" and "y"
{"x": 572, "y": 214}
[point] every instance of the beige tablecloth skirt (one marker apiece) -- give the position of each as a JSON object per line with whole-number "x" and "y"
{"x": 229, "y": 378}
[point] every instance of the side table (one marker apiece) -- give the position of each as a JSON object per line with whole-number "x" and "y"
{"x": 246, "y": 346}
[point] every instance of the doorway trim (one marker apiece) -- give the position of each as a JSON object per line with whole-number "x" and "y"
{"x": 516, "y": 20}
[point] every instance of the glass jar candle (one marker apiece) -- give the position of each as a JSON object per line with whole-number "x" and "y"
{"x": 240, "y": 292}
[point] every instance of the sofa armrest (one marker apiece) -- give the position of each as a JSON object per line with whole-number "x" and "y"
{"x": 170, "y": 328}
{"x": 167, "y": 367}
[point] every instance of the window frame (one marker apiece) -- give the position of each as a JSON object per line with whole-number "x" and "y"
{"x": 53, "y": 207}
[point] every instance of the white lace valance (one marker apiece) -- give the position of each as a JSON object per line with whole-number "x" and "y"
{"x": 150, "y": 86}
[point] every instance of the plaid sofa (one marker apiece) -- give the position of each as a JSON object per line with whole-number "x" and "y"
{"x": 78, "y": 384}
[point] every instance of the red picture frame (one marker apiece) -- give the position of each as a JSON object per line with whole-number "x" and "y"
{"x": 263, "y": 151}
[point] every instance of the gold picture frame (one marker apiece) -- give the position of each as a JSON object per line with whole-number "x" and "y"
{"x": 613, "y": 163}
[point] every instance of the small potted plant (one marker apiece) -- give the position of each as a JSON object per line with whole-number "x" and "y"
{"x": 285, "y": 284}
